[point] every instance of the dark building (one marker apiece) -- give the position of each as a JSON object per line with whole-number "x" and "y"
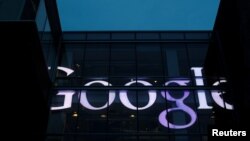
{"x": 105, "y": 67}
{"x": 230, "y": 40}
{"x": 130, "y": 85}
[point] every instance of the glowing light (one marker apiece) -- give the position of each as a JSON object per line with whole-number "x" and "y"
{"x": 125, "y": 101}
{"x": 201, "y": 93}
{"x": 132, "y": 116}
{"x": 75, "y": 114}
{"x": 216, "y": 95}
{"x": 123, "y": 95}
{"x": 67, "y": 100}
{"x": 103, "y": 116}
{"x": 180, "y": 106}
{"x": 67, "y": 70}
{"x": 86, "y": 104}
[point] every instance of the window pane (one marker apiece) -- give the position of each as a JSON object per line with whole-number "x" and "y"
{"x": 123, "y": 119}
{"x": 92, "y": 117}
{"x": 64, "y": 120}
{"x": 98, "y": 36}
{"x": 147, "y": 36}
{"x": 172, "y": 36}
{"x": 123, "y": 36}
{"x": 175, "y": 60}
{"x": 148, "y": 118}
{"x": 197, "y": 54}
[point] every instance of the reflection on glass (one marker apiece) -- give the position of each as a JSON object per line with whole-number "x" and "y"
{"x": 106, "y": 116}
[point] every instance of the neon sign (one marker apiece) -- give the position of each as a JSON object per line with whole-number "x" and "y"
{"x": 123, "y": 96}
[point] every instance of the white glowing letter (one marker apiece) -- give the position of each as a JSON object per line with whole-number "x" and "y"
{"x": 67, "y": 100}
{"x": 125, "y": 101}
{"x": 217, "y": 96}
{"x": 68, "y": 71}
{"x": 85, "y": 102}
{"x": 201, "y": 93}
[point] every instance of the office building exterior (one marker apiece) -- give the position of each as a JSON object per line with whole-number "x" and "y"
{"x": 128, "y": 85}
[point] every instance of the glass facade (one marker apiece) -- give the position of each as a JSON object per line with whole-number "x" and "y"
{"x": 14, "y": 10}
{"x": 126, "y": 70}
{"x": 133, "y": 86}
{"x": 46, "y": 37}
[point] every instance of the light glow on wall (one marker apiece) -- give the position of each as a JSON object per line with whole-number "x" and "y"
{"x": 217, "y": 96}
{"x": 125, "y": 101}
{"x": 84, "y": 99}
{"x": 163, "y": 120}
{"x": 180, "y": 106}
{"x": 67, "y": 100}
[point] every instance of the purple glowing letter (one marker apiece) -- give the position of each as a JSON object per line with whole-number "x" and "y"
{"x": 125, "y": 101}
{"x": 180, "y": 106}
{"x": 85, "y": 102}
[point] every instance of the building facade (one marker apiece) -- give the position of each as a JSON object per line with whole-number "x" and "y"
{"x": 126, "y": 85}
{"x": 135, "y": 86}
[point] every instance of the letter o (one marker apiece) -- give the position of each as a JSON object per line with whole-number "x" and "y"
{"x": 125, "y": 101}
{"x": 85, "y": 103}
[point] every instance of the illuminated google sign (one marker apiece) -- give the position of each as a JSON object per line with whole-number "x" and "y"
{"x": 123, "y": 96}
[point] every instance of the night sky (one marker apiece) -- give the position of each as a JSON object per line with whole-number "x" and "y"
{"x": 112, "y": 15}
